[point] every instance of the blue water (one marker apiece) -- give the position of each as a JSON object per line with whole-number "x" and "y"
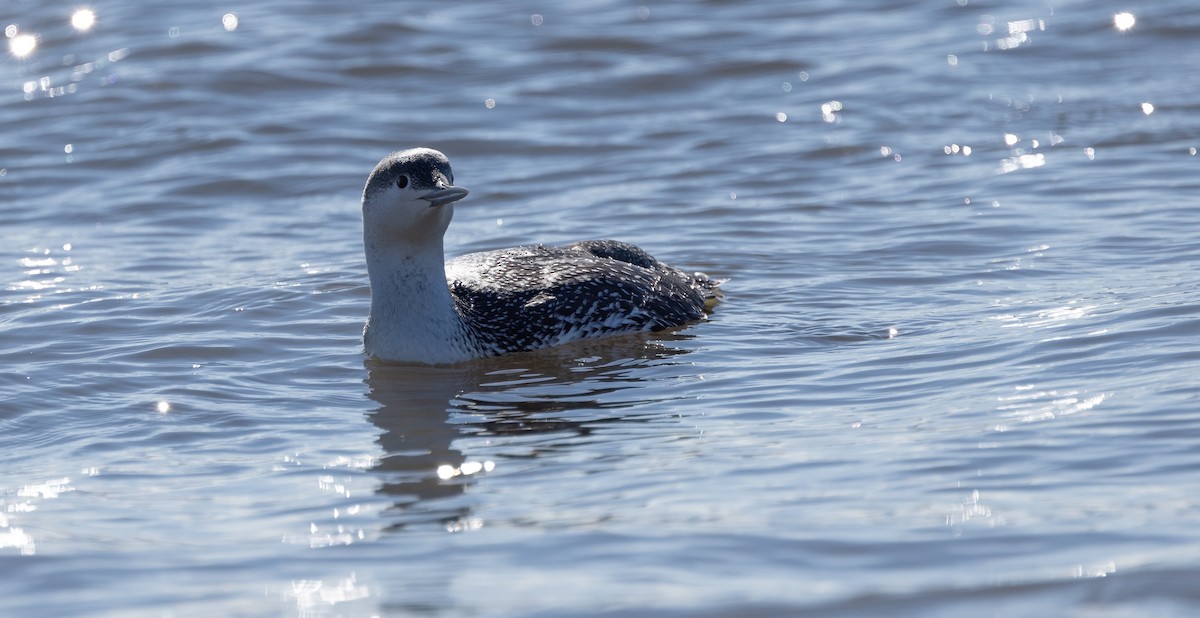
{"x": 954, "y": 372}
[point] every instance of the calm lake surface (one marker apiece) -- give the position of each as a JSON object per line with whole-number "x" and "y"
{"x": 956, "y": 372}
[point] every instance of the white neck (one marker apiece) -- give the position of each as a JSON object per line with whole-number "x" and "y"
{"x": 412, "y": 316}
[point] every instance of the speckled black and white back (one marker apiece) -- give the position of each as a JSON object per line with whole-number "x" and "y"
{"x": 532, "y": 297}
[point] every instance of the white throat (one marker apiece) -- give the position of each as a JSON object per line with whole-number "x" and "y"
{"x": 413, "y": 318}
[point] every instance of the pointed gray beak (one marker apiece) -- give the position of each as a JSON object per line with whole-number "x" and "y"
{"x": 441, "y": 197}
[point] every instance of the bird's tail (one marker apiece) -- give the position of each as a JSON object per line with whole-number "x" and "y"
{"x": 710, "y": 288}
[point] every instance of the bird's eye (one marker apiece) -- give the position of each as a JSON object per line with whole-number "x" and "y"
{"x": 402, "y": 181}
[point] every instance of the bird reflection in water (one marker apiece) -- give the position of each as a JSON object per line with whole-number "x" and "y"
{"x": 566, "y": 392}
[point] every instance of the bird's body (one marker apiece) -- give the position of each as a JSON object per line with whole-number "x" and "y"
{"x": 493, "y": 302}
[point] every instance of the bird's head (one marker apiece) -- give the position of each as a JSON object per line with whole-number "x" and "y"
{"x": 409, "y": 197}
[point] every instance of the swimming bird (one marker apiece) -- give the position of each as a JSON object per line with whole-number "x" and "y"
{"x": 427, "y": 310}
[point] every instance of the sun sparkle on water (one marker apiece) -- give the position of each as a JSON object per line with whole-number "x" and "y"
{"x": 1124, "y": 21}
{"x": 22, "y": 45}
{"x": 83, "y": 20}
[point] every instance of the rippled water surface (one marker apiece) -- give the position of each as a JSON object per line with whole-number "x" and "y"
{"x": 955, "y": 370}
